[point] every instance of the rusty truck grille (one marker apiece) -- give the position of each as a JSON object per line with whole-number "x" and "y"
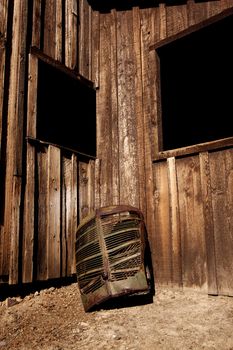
{"x": 109, "y": 251}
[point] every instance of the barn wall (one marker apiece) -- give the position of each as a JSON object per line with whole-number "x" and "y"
{"x": 178, "y": 196}
{"x": 44, "y": 189}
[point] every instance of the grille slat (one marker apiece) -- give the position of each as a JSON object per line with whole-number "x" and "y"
{"x": 109, "y": 248}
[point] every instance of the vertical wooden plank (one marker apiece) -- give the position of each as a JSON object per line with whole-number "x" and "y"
{"x": 83, "y": 190}
{"x": 36, "y": 23}
{"x": 54, "y": 211}
{"x": 66, "y": 225}
{"x": 104, "y": 134}
{"x": 69, "y": 214}
{"x": 29, "y": 218}
{"x": 32, "y": 96}
{"x": 2, "y": 75}
{"x": 3, "y": 16}
{"x": 149, "y": 28}
{"x": 208, "y": 220}
{"x": 15, "y": 139}
{"x": 84, "y": 39}
{"x": 74, "y": 223}
{"x": 71, "y": 33}
{"x": 221, "y": 172}
{"x": 95, "y": 65}
{"x": 114, "y": 112}
{"x": 42, "y": 210}
{"x": 3, "y": 37}
{"x": 163, "y": 21}
{"x": 139, "y": 120}
{"x": 28, "y": 233}
{"x": 126, "y": 70}
{"x": 175, "y": 223}
{"x": 224, "y": 4}
{"x": 192, "y": 230}
{"x": 97, "y": 183}
{"x": 213, "y": 8}
{"x": 91, "y": 185}
{"x": 161, "y": 242}
{"x": 197, "y": 12}
{"x": 53, "y": 29}
{"x": 177, "y": 19}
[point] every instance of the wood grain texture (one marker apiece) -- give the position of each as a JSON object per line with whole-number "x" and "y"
{"x": 176, "y": 19}
{"x": 175, "y": 233}
{"x": 69, "y": 213}
{"x": 114, "y": 112}
{"x": 221, "y": 170}
{"x": 85, "y": 39}
{"x": 53, "y": 29}
{"x": 208, "y": 221}
{"x": 71, "y": 262}
{"x": 95, "y": 57}
{"x": 83, "y": 190}
{"x": 104, "y": 133}
{"x": 29, "y": 218}
{"x": 66, "y": 223}
{"x": 32, "y": 96}
{"x": 54, "y": 211}
{"x": 139, "y": 113}
{"x": 3, "y": 38}
{"x": 191, "y": 223}
{"x": 128, "y": 167}
{"x": 42, "y": 210}
{"x": 15, "y": 139}
{"x": 161, "y": 241}
{"x": 71, "y": 34}
{"x": 148, "y": 34}
{"x": 2, "y": 75}
{"x": 36, "y": 23}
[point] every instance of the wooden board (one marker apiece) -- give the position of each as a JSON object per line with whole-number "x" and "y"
{"x": 71, "y": 34}
{"x": 66, "y": 222}
{"x": 114, "y": 112}
{"x": 161, "y": 241}
{"x": 52, "y": 30}
{"x": 176, "y": 19}
{"x": 42, "y": 209}
{"x": 221, "y": 172}
{"x": 104, "y": 127}
{"x": 15, "y": 139}
{"x": 95, "y": 57}
{"x": 85, "y": 39}
{"x": 139, "y": 113}
{"x": 191, "y": 223}
{"x": 29, "y": 218}
{"x": 54, "y": 211}
{"x": 128, "y": 160}
{"x": 208, "y": 222}
{"x": 69, "y": 213}
{"x": 175, "y": 230}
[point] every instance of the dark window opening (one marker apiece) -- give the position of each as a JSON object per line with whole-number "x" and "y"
{"x": 196, "y": 77}
{"x": 66, "y": 110}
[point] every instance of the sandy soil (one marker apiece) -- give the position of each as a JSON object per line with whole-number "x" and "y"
{"x": 54, "y": 319}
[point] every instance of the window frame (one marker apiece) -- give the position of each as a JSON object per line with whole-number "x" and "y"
{"x": 36, "y": 56}
{"x": 195, "y": 148}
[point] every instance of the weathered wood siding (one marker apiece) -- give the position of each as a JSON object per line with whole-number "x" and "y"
{"x": 187, "y": 201}
{"x": 180, "y": 197}
{"x": 44, "y": 190}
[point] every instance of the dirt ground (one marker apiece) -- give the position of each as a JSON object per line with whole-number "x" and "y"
{"x": 54, "y": 319}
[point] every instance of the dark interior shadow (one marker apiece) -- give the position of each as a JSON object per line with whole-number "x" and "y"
{"x": 124, "y": 302}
